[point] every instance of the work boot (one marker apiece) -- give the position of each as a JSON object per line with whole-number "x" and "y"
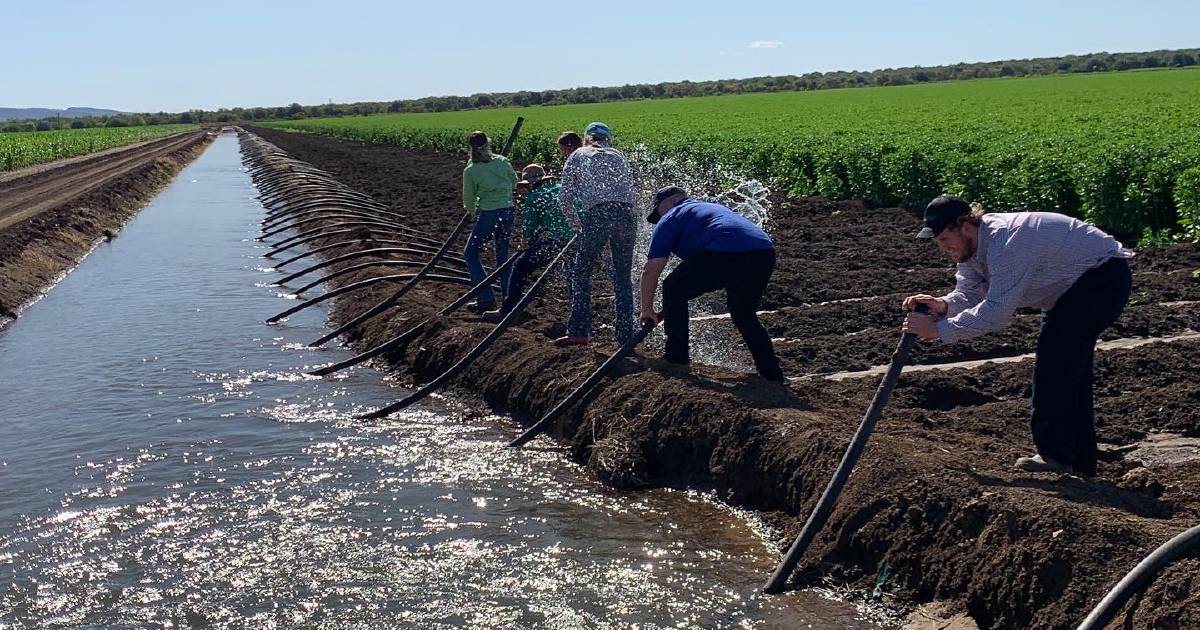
{"x": 568, "y": 341}
{"x": 1038, "y": 463}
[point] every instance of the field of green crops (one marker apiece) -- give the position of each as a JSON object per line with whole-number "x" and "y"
{"x": 1121, "y": 149}
{"x": 22, "y": 149}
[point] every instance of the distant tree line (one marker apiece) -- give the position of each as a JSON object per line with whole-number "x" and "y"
{"x": 1096, "y": 62}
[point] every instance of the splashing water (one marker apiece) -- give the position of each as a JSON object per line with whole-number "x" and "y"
{"x": 709, "y": 342}
{"x": 165, "y": 462}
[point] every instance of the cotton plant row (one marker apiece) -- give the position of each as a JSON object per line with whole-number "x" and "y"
{"x": 1120, "y": 150}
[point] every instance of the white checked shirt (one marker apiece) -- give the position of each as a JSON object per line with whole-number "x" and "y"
{"x": 1024, "y": 259}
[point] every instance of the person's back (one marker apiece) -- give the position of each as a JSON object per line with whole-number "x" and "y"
{"x": 1050, "y": 251}
{"x": 596, "y": 175}
{"x": 490, "y": 183}
{"x": 1067, "y": 242}
{"x": 599, "y": 177}
{"x": 541, "y": 213}
{"x": 696, "y": 225}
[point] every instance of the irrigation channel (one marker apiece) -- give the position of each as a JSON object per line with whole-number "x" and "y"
{"x": 164, "y": 460}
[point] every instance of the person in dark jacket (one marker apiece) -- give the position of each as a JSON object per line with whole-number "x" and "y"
{"x": 720, "y": 249}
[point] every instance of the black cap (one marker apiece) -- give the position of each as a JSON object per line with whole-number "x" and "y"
{"x": 941, "y": 213}
{"x": 662, "y": 193}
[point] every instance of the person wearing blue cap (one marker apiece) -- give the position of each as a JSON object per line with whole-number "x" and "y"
{"x": 720, "y": 249}
{"x": 597, "y": 178}
{"x": 1077, "y": 274}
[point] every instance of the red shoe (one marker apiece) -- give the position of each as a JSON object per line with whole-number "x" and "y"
{"x": 568, "y": 341}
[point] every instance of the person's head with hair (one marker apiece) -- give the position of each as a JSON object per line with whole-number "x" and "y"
{"x": 597, "y": 134}
{"x": 568, "y": 142}
{"x": 479, "y": 145}
{"x": 954, "y": 225}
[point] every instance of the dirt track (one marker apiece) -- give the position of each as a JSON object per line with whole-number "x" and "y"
{"x": 25, "y": 194}
{"x": 52, "y": 214}
{"x": 935, "y": 499}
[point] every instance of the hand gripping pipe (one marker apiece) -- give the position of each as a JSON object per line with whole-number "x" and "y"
{"x": 405, "y": 336}
{"x": 585, "y": 387}
{"x": 492, "y": 336}
{"x": 1139, "y": 577}
{"x": 858, "y": 443}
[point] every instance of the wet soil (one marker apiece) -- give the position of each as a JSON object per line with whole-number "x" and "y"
{"x": 77, "y": 204}
{"x": 935, "y": 508}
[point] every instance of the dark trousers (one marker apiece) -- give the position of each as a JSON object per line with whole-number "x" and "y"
{"x": 744, "y": 277}
{"x": 539, "y": 254}
{"x": 1062, "y": 419}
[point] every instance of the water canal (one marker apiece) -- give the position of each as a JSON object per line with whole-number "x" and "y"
{"x": 164, "y": 463}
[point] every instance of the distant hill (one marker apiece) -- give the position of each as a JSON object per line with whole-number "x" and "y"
{"x": 36, "y": 113}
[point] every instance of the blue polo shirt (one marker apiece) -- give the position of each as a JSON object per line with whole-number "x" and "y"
{"x": 693, "y": 226}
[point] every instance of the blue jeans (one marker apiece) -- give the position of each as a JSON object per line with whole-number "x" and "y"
{"x": 615, "y": 224}
{"x": 1062, "y": 420}
{"x": 489, "y": 224}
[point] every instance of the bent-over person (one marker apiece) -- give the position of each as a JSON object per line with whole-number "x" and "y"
{"x": 1077, "y": 274}
{"x": 720, "y": 249}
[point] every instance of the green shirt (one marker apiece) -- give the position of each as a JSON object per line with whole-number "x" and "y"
{"x": 542, "y": 211}
{"x": 488, "y": 185}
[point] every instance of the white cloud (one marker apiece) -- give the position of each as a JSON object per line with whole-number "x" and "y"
{"x": 766, "y": 44}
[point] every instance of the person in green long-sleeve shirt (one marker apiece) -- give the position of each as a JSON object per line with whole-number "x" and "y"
{"x": 488, "y": 182}
{"x": 545, "y": 230}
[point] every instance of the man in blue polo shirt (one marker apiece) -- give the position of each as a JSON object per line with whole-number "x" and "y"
{"x": 720, "y": 249}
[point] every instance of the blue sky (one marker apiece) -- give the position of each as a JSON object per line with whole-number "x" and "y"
{"x": 172, "y": 56}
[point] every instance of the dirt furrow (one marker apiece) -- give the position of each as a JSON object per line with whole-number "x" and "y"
{"x": 935, "y": 506}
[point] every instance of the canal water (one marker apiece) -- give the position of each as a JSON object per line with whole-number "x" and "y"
{"x": 164, "y": 462}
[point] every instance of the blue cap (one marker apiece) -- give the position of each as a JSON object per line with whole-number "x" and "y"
{"x": 598, "y": 129}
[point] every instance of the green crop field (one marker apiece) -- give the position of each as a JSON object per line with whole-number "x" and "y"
{"x": 26, "y": 148}
{"x": 1121, "y": 149}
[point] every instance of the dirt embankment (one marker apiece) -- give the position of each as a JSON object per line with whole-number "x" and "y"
{"x": 934, "y": 506}
{"x": 54, "y": 214}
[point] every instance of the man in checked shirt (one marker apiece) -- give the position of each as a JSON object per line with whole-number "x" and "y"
{"x": 1078, "y": 275}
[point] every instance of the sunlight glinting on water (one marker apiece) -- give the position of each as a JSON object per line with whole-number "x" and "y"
{"x": 188, "y": 473}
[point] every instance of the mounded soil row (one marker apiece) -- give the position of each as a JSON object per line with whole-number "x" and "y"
{"x": 934, "y": 501}
{"x": 35, "y": 252}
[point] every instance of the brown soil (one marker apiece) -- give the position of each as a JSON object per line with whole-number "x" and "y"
{"x": 935, "y": 499}
{"x": 53, "y": 214}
